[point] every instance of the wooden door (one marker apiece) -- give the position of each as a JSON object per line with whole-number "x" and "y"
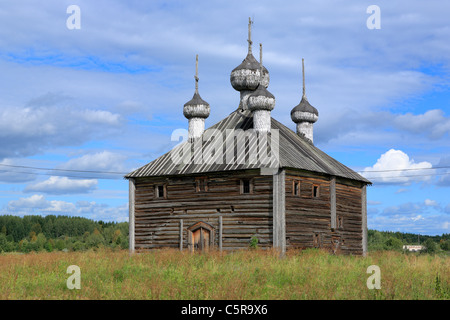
{"x": 200, "y": 239}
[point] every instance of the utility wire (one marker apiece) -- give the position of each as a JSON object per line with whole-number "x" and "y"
{"x": 124, "y": 173}
{"x": 61, "y": 175}
{"x": 416, "y": 175}
{"x": 406, "y": 169}
{"x": 64, "y": 170}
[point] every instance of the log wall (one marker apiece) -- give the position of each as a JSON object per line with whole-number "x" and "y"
{"x": 157, "y": 220}
{"x": 308, "y": 218}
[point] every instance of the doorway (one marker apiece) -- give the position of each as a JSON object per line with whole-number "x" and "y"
{"x": 201, "y": 236}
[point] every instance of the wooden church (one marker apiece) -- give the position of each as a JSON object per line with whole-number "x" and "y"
{"x": 248, "y": 176}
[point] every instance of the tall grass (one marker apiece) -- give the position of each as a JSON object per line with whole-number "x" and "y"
{"x": 248, "y": 274}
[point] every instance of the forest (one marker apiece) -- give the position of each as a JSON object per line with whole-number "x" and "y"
{"x": 66, "y": 233}
{"x": 62, "y": 233}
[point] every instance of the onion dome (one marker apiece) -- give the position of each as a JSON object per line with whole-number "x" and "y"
{"x": 304, "y": 111}
{"x": 247, "y": 76}
{"x": 304, "y": 114}
{"x": 261, "y": 98}
{"x": 196, "y": 107}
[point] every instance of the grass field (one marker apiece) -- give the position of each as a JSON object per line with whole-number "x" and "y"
{"x": 250, "y": 274}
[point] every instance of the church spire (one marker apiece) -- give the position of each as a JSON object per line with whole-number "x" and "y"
{"x": 196, "y": 74}
{"x": 303, "y": 74}
{"x": 250, "y": 22}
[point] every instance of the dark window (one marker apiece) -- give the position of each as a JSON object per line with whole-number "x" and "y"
{"x": 340, "y": 223}
{"x": 160, "y": 191}
{"x": 296, "y": 188}
{"x": 315, "y": 191}
{"x": 201, "y": 185}
{"x": 246, "y": 186}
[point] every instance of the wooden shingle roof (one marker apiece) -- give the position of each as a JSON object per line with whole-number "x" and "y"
{"x": 294, "y": 152}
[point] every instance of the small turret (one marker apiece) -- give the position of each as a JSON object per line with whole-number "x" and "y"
{"x": 261, "y": 102}
{"x": 304, "y": 114}
{"x": 196, "y": 110}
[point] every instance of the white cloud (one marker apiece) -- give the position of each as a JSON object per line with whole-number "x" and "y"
{"x": 104, "y": 161}
{"x": 424, "y": 217}
{"x": 395, "y": 167}
{"x": 35, "y": 201}
{"x": 430, "y": 224}
{"x": 432, "y": 123}
{"x": 431, "y": 203}
{"x": 63, "y": 185}
{"x": 31, "y": 129}
{"x": 39, "y": 205}
{"x": 406, "y": 210}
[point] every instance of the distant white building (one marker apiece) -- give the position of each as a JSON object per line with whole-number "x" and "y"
{"x": 413, "y": 248}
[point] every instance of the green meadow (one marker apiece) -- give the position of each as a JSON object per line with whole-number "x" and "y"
{"x": 247, "y": 274}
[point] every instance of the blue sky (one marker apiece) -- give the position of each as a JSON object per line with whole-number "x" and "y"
{"x": 106, "y": 97}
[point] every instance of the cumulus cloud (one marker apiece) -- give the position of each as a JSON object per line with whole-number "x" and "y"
{"x": 432, "y": 123}
{"x": 101, "y": 211}
{"x": 37, "y": 127}
{"x": 424, "y": 217}
{"x": 39, "y": 205}
{"x": 431, "y": 203}
{"x": 63, "y": 185}
{"x": 430, "y": 224}
{"x": 101, "y": 162}
{"x": 433, "y": 126}
{"x": 395, "y": 167}
{"x": 409, "y": 209}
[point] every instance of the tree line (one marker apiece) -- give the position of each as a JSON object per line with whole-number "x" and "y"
{"x": 66, "y": 233}
{"x": 63, "y": 233}
{"x": 386, "y": 240}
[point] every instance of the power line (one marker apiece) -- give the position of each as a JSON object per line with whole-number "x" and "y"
{"x": 98, "y": 172}
{"x": 61, "y": 175}
{"x": 406, "y": 169}
{"x": 64, "y": 170}
{"x": 124, "y": 173}
{"x": 416, "y": 175}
